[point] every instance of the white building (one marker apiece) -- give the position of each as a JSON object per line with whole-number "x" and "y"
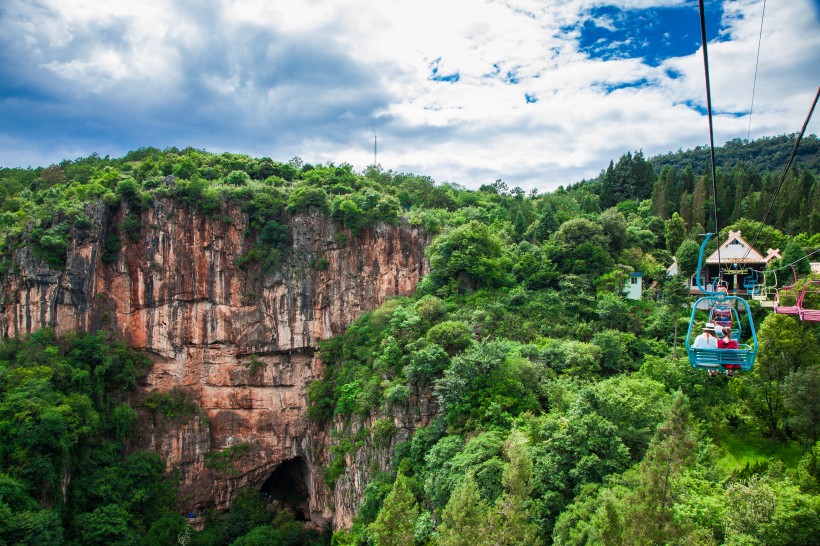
{"x": 634, "y": 288}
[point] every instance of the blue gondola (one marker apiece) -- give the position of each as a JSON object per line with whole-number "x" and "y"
{"x": 720, "y": 360}
{"x": 750, "y": 283}
{"x": 766, "y": 289}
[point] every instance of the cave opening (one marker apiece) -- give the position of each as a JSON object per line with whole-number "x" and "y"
{"x": 287, "y": 485}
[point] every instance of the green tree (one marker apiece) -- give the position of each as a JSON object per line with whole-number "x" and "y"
{"x": 614, "y": 227}
{"x": 489, "y": 383}
{"x": 396, "y": 521}
{"x": 579, "y": 247}
{"x": 596, "y": 516}
{"x": 453, "y": 336}
{"x": 511, "y": 524}
{"x": 801, "y": 388}
{"x": 783, "y": 348}
{"x": 685, "y": 209}
{"x": 700, "y": 199}
{"x": 303, "y": 197}
{"x": 264, "y": 535}
{"x": 676, "y": 298}
{"x": 464, "y": 520}
{"x": 237, "y": 178}
{"x": 467, "y": 258}
{"x": 794, "y": 254}
{"x": 675, "y": 233}
{"x": 105, "y": 525}
{"x": 635, "y": 405}
{"x": 687, "y": 257}
{"x": 651, "y": 519}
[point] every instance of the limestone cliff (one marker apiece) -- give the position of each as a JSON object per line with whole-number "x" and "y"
{"x": 240, "y": 342}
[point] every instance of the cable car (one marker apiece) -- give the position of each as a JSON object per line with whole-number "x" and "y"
{"x": 810, "y": 311}
{"x": 750, "y": 283}
{"x": 720, "y": 360}
{"x": 726, "y": 315}
{"x": 766, "y": 288}
{"x": 787, "y": 294}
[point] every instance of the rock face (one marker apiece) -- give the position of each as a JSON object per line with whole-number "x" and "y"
{"x": 240, "y": 343}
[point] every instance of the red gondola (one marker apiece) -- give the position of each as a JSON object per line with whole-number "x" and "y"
{"x": 809, "y": 310}
{"x": 788, "y": 294}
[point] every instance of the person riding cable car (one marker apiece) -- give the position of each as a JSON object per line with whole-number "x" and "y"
{"x": 704, "y": 352}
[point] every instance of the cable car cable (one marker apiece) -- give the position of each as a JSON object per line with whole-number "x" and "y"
{"x": 709, "y": 113}
{"x": 809, "y": 255}
{"x": 757, "y": 63}
{"x": 786, "y": 170}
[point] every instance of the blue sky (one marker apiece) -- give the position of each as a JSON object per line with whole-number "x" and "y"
{"x": 535, "y": 93}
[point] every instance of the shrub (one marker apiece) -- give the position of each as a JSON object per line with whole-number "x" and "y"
{"x": 453, "y": 336}
{"x": 383, "y": 430}
{"x": 237, "y": 178}
{"x": 467, "y": 258}
{"x": 430, "y": 308}
{"x": 397, "y": 393}
{"x": 223, "y": 461}
{"x": 304, "y": 197}
{"x": 176, "y": 403}
{"x": 131, "y": 227}
{"x": 51, "y": 244}
{"x": 185, "y": 169}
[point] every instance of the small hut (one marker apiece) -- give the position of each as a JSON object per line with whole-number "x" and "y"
{"x": 633, "y": 290}
{"x": 736, "y": 264}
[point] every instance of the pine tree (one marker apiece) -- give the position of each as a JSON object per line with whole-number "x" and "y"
{"x": 510, "y": 524}
{"x": 699, "y": 199}
{"x": 650, "y": 519}
{"x": 687, "y": 181}
{"x": 464, "y": 522}
{"x": 608, "y": 187}
{"x": 397, "y": 519}
{"x": 741, "y": 187}
{"x": 686, "y": 209}
{"x": 675, "y": 233}
{"x": 643, "y": 177}
{"x": 659, "y": 195}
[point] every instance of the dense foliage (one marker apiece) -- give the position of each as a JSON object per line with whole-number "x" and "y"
{"x": 64, "y": 473}
{"x": 567, "y": 414}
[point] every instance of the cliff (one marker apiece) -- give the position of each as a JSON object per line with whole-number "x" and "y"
{"x": 239, "y": 343}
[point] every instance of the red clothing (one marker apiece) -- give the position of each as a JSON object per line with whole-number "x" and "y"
{"x": 727, "y": 344}
{"x": 724, "y": 343}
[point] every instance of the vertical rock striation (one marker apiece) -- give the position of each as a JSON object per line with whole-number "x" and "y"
{"x": 239, "y": 341}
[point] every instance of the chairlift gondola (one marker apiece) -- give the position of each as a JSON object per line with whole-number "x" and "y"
{"x": 809, "y": 310}
{"x": 713, "y": 359}
{"x": 767, "y": 288}
{"x": 726, "y": 316}
{"x": 750, "y": 282}
{"x": 788, "y": 294}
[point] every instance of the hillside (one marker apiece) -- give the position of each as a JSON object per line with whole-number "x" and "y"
{"x": 292, "y": 351}
{"x": 767, "y": 154}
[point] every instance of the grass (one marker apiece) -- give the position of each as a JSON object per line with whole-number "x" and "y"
{"x": 742, "y": 448}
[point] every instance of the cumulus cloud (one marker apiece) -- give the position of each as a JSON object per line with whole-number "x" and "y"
{"x": 537, "y": 93}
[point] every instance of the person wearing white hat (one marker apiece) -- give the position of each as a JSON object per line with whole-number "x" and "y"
{"x": 707, "y": 340}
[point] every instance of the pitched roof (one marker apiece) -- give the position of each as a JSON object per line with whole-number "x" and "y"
{"x": 736, "y": 250}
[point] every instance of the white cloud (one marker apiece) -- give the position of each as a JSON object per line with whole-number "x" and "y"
{"x": 317, "y": 78}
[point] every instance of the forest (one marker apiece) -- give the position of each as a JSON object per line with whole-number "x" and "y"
{"x": 567, "y": 413}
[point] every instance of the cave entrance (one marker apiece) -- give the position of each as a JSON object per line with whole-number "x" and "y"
{"x": 287, "y": 484}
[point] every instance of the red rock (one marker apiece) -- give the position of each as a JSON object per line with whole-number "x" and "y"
{"x": 178, "y": 295}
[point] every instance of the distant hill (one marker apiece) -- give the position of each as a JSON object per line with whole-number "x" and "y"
{"x": 767, "y": 154}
